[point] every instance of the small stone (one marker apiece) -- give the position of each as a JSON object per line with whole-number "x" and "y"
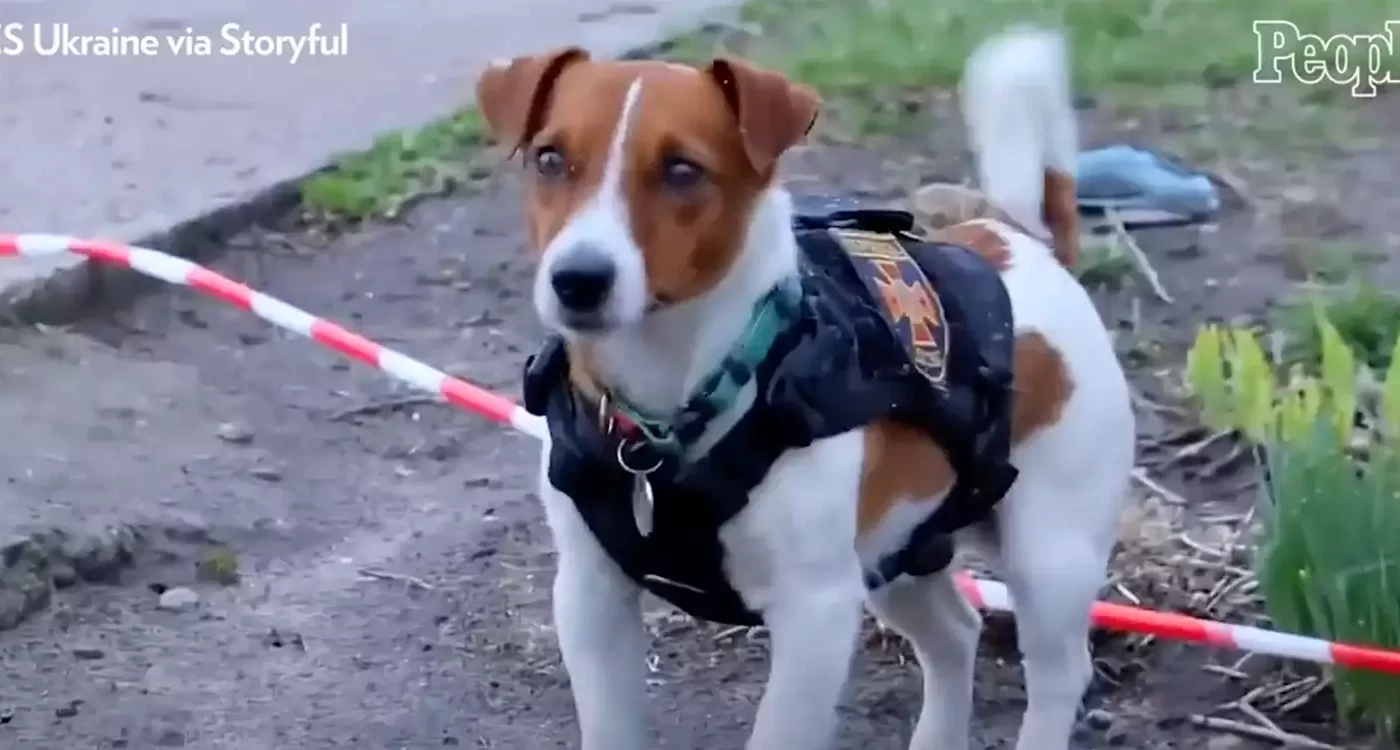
{"x": 191, "y": 319}
{"x": 88, "y": 654}
{"x": 441, "y": 277}
{"x": 1098, "y": 719}
{"x": 13, "y": 550}
{"x": 171, "y": 738}
{"x": 67, "y": 710}
{"x": 267, "y": 473}
{"x": 278, "y": 639}
{"x": 1300, "y": 194}
{"x": 100, "y": 556}
{"x": 178, "y": 599}
{"x": 1226, "y": 742}
{"x": 185, "y": 527}
{"x": 237, "y": 434}
{"x": 14, "y": 607}
{"x": 63, "y": 575}
{"x": 485, "y": 318}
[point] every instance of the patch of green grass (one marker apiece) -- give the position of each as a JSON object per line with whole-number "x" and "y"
{"x": 869, "y": 51}
{"x": 1329, "y": 560}
{"x": 700, "y": 46}
{"x": 1367, "y": 317}
{"x": 218, "y": 565}
{"x": 1329, "y": 263}
{"x": 1151, "y": 42}
{"x": 1261, "y": 124}
{"x": 1330, "y": 565}
{"x": 397, "y": 169}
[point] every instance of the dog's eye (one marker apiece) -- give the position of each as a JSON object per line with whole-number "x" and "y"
{"x": 550, "y": 163}
{"x": 681, "y": 174}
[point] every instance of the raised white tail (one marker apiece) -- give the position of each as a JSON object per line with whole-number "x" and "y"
{"x": 1022, "y": 128}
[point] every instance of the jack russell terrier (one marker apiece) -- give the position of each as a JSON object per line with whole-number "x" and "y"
{"x": 766, "y": 415}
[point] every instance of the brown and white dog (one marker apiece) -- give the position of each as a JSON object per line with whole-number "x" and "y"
{"x": 653, "y": 204}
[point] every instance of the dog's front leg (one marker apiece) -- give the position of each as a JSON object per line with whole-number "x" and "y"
{"x": 598, "y": 619}
{"x": 792, "y": 555}
{"x": 813, "y": 635}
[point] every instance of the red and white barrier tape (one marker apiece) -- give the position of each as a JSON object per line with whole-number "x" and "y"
{"x": 175, "y": 270}
{"x": 986, "y": 594}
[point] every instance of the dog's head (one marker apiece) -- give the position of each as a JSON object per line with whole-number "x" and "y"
{"x": 640, "y": 176}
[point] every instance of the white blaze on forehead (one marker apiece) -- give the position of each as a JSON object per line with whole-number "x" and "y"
{"x": 610, "y": 188}
{"x": 603, "y": 224}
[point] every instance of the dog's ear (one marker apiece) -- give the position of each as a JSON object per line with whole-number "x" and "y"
{"x": 513, "y": 96}
{"x": 773, "y": 113}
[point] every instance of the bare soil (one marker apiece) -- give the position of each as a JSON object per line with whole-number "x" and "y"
{"x": 395, "y": 565}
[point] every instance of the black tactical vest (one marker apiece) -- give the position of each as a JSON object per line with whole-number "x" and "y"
{"x": 888, "y": 326}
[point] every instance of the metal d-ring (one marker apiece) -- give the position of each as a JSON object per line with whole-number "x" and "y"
{"x": 622, "y": 461}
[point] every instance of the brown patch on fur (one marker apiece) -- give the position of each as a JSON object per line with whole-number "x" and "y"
{"x": 943, "y": 205}
{"x": 1061, "y": 215}
{"x": 940, "y": 205}
{"x": 773, "y": 113}
{"x": 903, "y": 463}
{"x": 1043, "y": 386}
{"x": 900, "y": 462}
{"x": 513, "y": 98}
{"x": 979, "y": 238}
{"x": 731, "y": 120}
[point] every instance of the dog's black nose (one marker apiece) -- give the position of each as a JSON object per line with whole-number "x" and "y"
{"x": 583, "y": 279}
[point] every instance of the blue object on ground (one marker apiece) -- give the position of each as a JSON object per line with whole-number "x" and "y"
{"x": 1142, "y": 188}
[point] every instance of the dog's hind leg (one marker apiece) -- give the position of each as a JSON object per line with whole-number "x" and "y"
{"x": 1054, "y": 570}
{"x": 944, "y": 629}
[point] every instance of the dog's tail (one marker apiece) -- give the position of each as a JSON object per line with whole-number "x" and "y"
{"x": 1022, "y": 129}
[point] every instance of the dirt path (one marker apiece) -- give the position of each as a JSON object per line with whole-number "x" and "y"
{"x": 395, "y": 564}
{"x": 451, "y": 644}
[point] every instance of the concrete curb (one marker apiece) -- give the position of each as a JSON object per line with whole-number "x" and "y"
{"x": 76, "y": 287}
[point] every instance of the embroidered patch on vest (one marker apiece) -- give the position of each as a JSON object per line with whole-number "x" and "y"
{"x": 909, "y": 302}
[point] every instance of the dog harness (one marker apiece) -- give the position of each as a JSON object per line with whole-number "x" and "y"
{"x": 879, "y": 324}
